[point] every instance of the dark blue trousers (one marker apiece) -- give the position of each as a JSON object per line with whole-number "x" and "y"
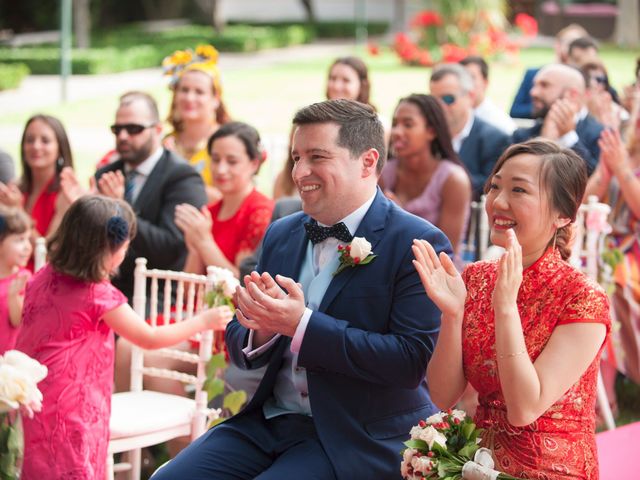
{"x": 252, "y": 447}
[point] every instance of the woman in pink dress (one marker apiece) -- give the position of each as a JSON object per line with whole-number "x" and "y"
{"x": 526, "y": 330}
{"x": 424, "y": 175}
{"x": 15, "y": 251}
{"x": 70, "y": 312}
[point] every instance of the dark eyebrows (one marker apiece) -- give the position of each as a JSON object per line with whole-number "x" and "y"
{"x": 515, "y": 179}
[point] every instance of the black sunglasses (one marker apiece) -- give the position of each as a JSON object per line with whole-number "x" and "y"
{"x": 448, "y": 99}
{"x": 130, "y": 128}
{"x": 599, "y": 79}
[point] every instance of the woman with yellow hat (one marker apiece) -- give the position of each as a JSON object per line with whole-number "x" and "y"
{"x": 197, "y": 109}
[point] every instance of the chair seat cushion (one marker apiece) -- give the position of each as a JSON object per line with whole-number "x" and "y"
{"x": 139, "y": 413}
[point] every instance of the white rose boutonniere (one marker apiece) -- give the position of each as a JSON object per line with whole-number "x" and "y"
{"x": 358, "y": 252}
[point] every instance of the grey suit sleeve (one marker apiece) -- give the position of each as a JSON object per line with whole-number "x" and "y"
{"x": 7, "y": 167}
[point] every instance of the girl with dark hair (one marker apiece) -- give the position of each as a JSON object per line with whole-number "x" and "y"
{"x": 15, "y": 252}
{"x": 223, "y": 233}
{"x": 70, "y": 312}
{"x": 45, "y": 151}
{"x": 527, "y": 330}
{"x": 424, "y": 174}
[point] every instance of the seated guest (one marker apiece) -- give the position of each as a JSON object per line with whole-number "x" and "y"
{"x": 558, "y": 97}
{"x": 616, "y": 181}
{"x": 483, "y": 106}
{"x": 581, "y": 51}
{"x": 346, "y": 352}
{"x": 522, "y": 107}
{"x": 477, "y": 143}
{"x": 602, "y": 101}
{"x": 425, "y": 176}
{"x": 527, "y": 330}
{"x": 631, "y": 91}
{"x": 45, "y": 151}
{"x": 224, "y": 233}
{"x": 197, "y": 109}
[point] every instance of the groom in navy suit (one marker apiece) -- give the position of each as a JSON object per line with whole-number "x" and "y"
{"x": 346, "y": 352}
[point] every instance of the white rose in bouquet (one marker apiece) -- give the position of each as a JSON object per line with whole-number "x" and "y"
{"x": 435, "y": 418}
{"x": 19, "y": 375}
{"x": 430, "y": 435}
{"x": 224, "y": 280}
{"x": 359, "y": 248}
{"x": 458, "y": 414}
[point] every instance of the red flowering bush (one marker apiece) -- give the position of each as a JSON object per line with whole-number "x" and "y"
{"x": 450, "y": 33}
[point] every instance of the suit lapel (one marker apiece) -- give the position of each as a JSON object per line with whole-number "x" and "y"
{"x": 296, "y": 246}
{"x": 371, "y": 228}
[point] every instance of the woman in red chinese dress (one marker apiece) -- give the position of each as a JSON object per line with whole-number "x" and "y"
{"x": 526, "y": 330}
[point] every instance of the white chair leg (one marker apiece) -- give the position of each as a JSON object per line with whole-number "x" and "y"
{"x": 109, "y": 471}
{"x": 603, "y": 403}
{"x": 135, "y": 458}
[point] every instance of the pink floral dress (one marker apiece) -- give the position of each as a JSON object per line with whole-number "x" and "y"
{"x": 62, "y": 329}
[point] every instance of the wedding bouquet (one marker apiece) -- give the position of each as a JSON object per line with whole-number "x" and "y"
{"x": 224, "y": 285}
{"x": 19, "y": 375}
{"x": 446, "y": 446}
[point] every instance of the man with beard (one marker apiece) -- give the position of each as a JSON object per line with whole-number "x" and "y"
{"x": 153, "y": 181}
{"x": 558, "y": 99}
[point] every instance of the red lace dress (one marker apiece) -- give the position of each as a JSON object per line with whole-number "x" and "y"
{"x": 561, "y": 443}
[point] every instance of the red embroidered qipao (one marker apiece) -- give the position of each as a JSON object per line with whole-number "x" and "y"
{"x": 561, "y": 443}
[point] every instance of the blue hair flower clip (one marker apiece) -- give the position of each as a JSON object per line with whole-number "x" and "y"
{"x": 117, "y": 230}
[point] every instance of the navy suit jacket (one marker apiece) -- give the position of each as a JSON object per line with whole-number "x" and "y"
{"x": 588, "y": 130}
{"x": 171, "y": 182}
{"x": 366, "y": 349}
{"x": 480, "y": 150}
{"x": 522, "y": 106}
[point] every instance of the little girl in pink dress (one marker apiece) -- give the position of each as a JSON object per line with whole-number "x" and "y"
{"x": 70, "y": 312}
{"x": 15, "y": 251}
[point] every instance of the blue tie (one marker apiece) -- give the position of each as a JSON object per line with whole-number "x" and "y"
{"x": 129, "y": 185}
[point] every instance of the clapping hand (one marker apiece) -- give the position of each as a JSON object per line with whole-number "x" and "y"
{"x": 560, "y": 120}
{"x": 440, "y": 279}
{"x": 196, "y": 225}
{"x": 270, "y": 305}
{"x": 16, "y": 287}
{"x": 111, "y": 184}
{"x": 505, "y": 293}
{"x": 613, "y": 153}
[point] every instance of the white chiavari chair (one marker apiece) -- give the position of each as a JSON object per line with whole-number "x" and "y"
{"x": 39, "y": 254}
{"x": 140, "y": 418}
{"x": 477, "y": 241}
{"x": 591, "y": 227}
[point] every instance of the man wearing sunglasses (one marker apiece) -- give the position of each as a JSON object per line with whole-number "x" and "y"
{"x": 477, "y": 143}
{"x": 153, "y": 181}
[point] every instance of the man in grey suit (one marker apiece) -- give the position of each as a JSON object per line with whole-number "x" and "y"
{"x": 153, "y": 181}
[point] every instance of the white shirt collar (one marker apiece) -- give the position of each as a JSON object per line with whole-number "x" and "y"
{"x": 146, "y": 167}
{"x": 353, "y": 220}
{"x": 464, "y": 133}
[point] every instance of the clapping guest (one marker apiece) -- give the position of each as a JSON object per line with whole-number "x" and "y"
{"x": 45, "y": 151}
{"x": 616, "y": 181}
{"x": 197, "y": 108}
{"x": 526, "y": 330}
{"x": 424, "y": 175}
{"x": 224, "y": 233}
{"x": 602, "y": 100}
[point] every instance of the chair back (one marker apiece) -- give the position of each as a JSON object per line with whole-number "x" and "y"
{"x": 189, "y": 291}
{"x": 477, "y": 241}
{"x": 591, "y": 229}
{"x": 39, "y": 254}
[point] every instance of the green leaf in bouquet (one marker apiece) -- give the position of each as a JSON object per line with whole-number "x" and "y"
{"x": 216, "y": 421}
{"x": 217, "y": 361}
{"x": 467, "y": 429}
{"x": 8, "y": 468}
{"x": 469, "y": 450}
{"x": 418, "y": 445}
{"x": 234, "y": 401}
{"x": 214, "y": 387}
{"x": 14, "y": 441}
{"x": 211, "y": 298}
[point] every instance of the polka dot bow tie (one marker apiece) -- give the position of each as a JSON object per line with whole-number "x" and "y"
{"x": 317, "y": 233}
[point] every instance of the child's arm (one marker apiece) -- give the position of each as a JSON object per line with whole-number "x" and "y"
{"x": 128, "y": 324}
{"x": 15, "y": 298}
